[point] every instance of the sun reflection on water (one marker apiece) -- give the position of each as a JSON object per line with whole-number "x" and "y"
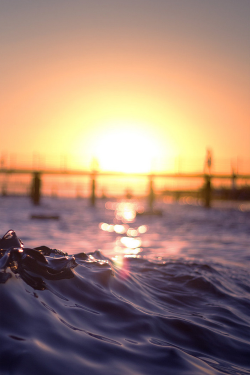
{"x": 132, "y": 232}
{"x": 125, "y": 211}
{"x": 129, "y": 243}
{"x": 132, "y": 243}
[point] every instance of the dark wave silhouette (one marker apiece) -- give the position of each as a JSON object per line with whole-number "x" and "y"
{"x": 82, "y": 314}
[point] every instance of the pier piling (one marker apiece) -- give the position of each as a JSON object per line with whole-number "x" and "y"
{"x": 93, "y": 190}
{"x": 151, "y": 194}
{"x": 207, "y": 191}
{"x": 36, "y": 188}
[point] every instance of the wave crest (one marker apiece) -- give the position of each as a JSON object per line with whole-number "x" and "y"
{"x": 60, "y": 313}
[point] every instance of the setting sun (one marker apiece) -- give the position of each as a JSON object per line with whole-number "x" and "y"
{"x": 126, "y": 148}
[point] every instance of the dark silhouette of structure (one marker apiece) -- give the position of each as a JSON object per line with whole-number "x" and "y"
{"x": 208, "y": 162}
{"x": 207, "y": 172}
{"x": 151, "y": 194}
{"x": 36, "y": 188}
{"x": 93, "y": 192}
{"x": 207, "y": 192}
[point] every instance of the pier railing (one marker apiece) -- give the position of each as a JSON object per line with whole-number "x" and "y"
{"x": 37, "y": 174}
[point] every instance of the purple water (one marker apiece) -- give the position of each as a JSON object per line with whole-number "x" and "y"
{"x": 140, "y": 294}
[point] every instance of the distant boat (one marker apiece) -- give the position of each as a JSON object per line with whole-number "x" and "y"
{"x": 150, "y": 212}
{"x": 45, "y": 217}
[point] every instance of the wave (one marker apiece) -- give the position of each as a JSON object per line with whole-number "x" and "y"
{"x": 85, "y": 313}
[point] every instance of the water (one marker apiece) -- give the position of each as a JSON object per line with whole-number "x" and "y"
{"x": 138, "y": 294}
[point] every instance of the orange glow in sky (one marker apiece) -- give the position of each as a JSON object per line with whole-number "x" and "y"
{"x": 134, "y": 84}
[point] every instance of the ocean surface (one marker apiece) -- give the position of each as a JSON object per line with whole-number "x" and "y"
{"x": 114, "y": 290}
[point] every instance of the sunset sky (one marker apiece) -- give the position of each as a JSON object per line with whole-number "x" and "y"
{"x": 133, "y": 83}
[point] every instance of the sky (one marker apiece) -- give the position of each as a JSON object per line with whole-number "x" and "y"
{"x": 132, "y": 83}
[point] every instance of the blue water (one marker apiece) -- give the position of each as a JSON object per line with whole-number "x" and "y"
{"x": 136, "y": 294}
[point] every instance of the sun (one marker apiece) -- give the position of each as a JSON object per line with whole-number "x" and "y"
{"x": 126, "y": 148}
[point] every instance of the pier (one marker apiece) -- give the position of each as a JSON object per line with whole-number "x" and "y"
{"x": 37, "y": 175}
